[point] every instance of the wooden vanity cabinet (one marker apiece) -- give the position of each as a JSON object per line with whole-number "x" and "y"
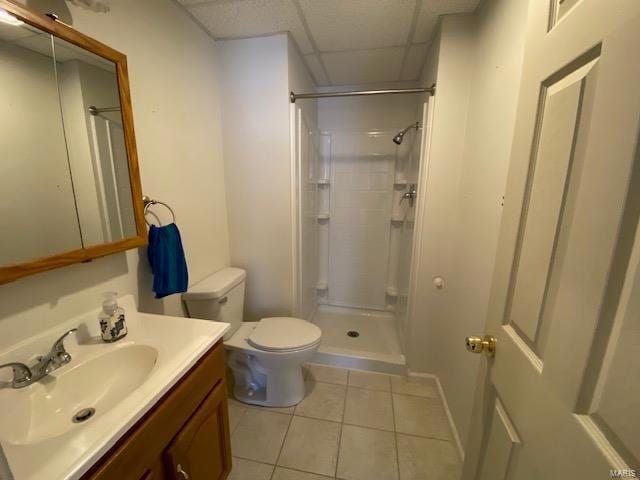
{"x": 184, "y": 436}
{"x": 199, "y": 448}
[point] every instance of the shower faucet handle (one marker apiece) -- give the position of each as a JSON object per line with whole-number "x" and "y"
{"x": 411, "y": 195}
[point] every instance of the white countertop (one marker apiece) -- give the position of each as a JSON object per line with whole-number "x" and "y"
{"x": 180, "y": 342}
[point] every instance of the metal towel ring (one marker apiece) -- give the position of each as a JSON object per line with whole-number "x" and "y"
{"x": 148, "y": 202}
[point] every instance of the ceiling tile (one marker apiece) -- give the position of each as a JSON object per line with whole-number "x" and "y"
{"x": 202, "y": 2}
{"x": 425, "y": 26}
{"x": 432, "y": 9}
{"x": 364, "y": 66}
{"x": 414, "y": 61}
{"x": 192, "y": 2}
{"x": 313, "y": 62}
{"x": 248, "y": 18}
{"x": 358, "y": 24}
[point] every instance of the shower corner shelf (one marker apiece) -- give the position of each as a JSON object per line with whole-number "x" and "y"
{"x": 397, "y": 218}
{"x": 323, "y": 181}
{"x": 323, "y": 216}
{"x": 391, "y": 291}
{"x": 322, "y": 286}
{"x": 400, "y": 181}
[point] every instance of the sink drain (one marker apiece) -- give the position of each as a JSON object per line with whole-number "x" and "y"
{"x": 353, "y": 333}
{"x": 83, "y": 415}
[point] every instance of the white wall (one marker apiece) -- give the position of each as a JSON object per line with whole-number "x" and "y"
{"x": 383, "y": 112}
{"x": 478, "y": 74}
{"x": 454, "y": 70}
{"x": 177, "y": 122}
{"x": 257, "y": 169}
{"x": 257, "y": 77}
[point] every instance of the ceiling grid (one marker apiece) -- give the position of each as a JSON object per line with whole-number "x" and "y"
{"x": 343, "y": 42}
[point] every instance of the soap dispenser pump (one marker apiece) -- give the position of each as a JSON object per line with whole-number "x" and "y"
{"x": 112, "y": 322}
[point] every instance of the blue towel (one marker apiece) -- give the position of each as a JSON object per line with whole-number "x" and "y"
{"x": 167, "y": 260}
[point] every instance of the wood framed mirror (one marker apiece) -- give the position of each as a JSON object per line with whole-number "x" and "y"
{"x": 70, "y": 186}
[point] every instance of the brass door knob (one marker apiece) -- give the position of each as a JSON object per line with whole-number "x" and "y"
{"x": 486, "y": 344}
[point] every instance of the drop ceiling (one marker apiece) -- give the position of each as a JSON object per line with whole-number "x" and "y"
{"x": 343, "y": 42}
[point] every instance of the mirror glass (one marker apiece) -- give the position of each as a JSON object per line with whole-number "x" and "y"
{"x": 90, "y": 104}
{"x": 64, "y": 170}
{"x": 37, "y": 204}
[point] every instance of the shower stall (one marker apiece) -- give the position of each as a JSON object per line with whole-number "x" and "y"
{"x": 355, "y": 197}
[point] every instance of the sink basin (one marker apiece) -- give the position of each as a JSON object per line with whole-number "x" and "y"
{"x": 74, "y": 395}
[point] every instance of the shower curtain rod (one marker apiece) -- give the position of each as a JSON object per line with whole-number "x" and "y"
{"x": 354, "y": 93}
{"x": 93, "y": 110}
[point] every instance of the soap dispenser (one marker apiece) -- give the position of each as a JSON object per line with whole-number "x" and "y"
{"x": 112, "y": 323}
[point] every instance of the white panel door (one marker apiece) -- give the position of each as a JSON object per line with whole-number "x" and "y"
{"x": 563, "y": 396}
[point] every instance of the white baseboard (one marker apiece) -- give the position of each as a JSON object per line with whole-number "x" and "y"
{"x": 452, "y": 424}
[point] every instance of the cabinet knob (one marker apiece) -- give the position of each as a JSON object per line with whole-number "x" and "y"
{"x": 181, "y": 471}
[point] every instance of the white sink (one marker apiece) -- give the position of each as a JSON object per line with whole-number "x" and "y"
{"x": 46, "y": 409}
{"x": 121, "y": 381}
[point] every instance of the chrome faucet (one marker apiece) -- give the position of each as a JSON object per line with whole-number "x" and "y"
{"x": 21, "y": 374}
{"x": 24, "y": 376}
{"x": 411, "y": 194}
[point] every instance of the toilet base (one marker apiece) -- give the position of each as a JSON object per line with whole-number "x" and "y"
{"x": 265, "y": 378}
{"x": 283, "y": 389}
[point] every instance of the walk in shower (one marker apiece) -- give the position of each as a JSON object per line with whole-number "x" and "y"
{"x": 355, "y": 194}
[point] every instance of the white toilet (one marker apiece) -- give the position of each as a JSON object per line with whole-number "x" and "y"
{"x": 266, "y": 357}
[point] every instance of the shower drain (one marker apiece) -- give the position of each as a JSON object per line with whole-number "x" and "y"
{"x": 353, "y": 333}
{"x": 83, "y": 415}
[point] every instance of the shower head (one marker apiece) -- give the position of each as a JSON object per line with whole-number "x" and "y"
{"x": 400, "y": 136}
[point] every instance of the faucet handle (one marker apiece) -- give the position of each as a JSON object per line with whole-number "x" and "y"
{"x": 59, "y": 354}
{"x": 21, "y": 374}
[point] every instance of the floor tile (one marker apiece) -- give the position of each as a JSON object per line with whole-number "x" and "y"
{"x": 369, "y": 408}
{"x": 311, "y": 445}
{"x": 285, "y": 410}
{"x": 324, "y": 373}
{"x": 288, "y": 474}
{"x": 366, "y": 454}
{"x": 425, "y": 417}
{"x": 248, "y": 470}
{"x": 369, "y": 380}
{"x": 235, "y": 414}
{"x": 259, "y": 435}
{"x": 323, "y": 400}
{"x": 425, "y": 458}
{"x": 419, "y": 386}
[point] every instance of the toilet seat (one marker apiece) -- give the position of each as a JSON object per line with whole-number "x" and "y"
{"x": 284, "y": 334}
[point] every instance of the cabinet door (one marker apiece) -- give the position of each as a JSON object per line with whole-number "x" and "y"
{"x": 202, "y": 450}
{"x": 156, "y": 472}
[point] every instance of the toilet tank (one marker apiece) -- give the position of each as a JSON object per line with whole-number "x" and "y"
{"x": 218, "y": 297}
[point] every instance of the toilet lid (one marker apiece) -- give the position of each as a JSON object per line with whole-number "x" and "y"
{"x": 284, "y": 333}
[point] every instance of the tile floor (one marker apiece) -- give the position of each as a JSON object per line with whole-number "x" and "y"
{"x": 352, "y": 425}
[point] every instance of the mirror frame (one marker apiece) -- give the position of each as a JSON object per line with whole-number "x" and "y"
{"x": 58, "y": 29}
